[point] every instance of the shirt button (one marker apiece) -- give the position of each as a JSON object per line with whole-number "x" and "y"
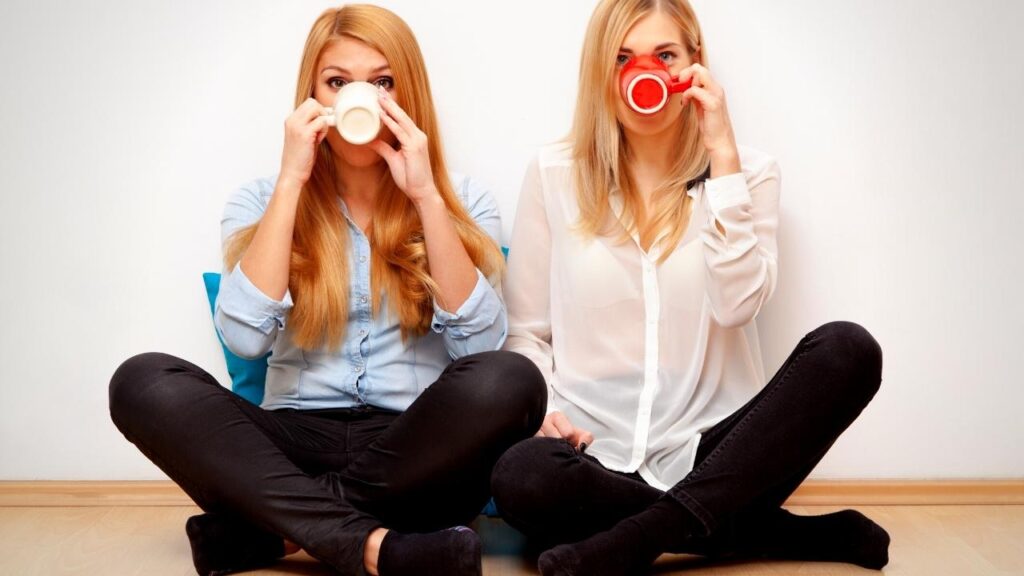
{"x": 362, "y": 332}
{"x": 362, "y": 258}
{"x": 362, "y": 299}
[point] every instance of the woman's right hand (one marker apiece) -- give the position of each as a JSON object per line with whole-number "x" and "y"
{"x": 304, "y": 129}
{"x": 557, "y": 425}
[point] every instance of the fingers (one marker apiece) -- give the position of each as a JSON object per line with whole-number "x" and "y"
{"x": 328, "y": 116}
{"x": 708, "y": 101}
{"x": 704, "y": 89}
{"x": 389, "y": 154}
{"x": 307, "y": 122}
{"x": 323, "y": 125}
{"x": 395, "y": 128}
{"x": 565, "y": 429}
{"x": 308, "y": 110}
{"x": 580, "y": 439}
{"x": 557, "y": 425}
{"x": 585, "y": 437}
{"x": 701, "y": 78}
{"x": 404, "y": 129}
{"x": 395, "y": 111}
{"x": 547, "y": 430}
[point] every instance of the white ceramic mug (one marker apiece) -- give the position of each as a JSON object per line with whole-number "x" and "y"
{"x": 356, "y": 112}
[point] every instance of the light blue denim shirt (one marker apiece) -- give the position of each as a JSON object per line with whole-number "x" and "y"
{"x": 373, "y": 366}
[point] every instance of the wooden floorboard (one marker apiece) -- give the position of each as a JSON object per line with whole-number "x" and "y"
{"x": 810, "y": 493}
{"x": 927, "y": 540}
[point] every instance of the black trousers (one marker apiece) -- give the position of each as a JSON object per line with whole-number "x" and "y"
{"x": 746, "y": 467}
{"x": 325, "y": 479}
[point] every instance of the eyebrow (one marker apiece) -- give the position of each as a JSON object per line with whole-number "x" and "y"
{"x": 344, "y": 71}
{"x": 656, "y": 48}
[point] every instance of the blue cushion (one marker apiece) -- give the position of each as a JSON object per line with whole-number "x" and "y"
{"x": 247, "y": 376}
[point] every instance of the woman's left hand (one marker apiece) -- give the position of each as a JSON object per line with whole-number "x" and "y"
{"x": 712, "y": 114}
{"x": 410, "y": 165}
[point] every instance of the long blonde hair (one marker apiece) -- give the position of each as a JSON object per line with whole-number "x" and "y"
{"x": 319, "y": 272}
{"x": 599, "y": 148}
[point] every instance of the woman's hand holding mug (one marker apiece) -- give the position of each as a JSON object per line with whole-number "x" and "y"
{"x": 304, "y": 129}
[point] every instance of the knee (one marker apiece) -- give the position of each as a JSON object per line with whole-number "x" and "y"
{"x": 504, "y": 387}
{"x": 855, "y": 353}
{"x": 527, "y": 480}
{"x": 139, "y": 386}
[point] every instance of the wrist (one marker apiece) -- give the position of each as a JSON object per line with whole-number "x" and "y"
{"x": 290, "y": 182}
{"x": 724, "y": 161}
{"x": 429, "y": 201}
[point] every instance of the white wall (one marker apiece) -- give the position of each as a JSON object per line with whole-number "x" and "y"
{"x": 123, "y": 129}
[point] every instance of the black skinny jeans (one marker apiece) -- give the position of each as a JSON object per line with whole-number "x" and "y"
{"x": 325, "y": 479}
{"x": 747, "y": 465}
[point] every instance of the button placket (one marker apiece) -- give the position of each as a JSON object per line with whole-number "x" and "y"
{"x": 362, "y": 287}
{"x": 652, "y": 312}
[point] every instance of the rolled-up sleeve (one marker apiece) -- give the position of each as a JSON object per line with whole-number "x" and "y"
{"x": 481, "y": 323}
{"x": 247, "y": 319}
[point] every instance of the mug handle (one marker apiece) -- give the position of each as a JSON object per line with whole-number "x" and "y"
{"x": 678, "y": 87}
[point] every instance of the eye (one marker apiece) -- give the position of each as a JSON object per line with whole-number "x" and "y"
{"x": 666, "y": 57}
{"x": 336, "y": 82}
{"x": 621, "y": 60}
{"x": 385, "y": 82}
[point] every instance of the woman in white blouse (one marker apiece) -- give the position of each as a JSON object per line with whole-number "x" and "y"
{"x": 644, "y": 247}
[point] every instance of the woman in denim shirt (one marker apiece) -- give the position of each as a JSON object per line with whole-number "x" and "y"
{"x": 369, "y": 271}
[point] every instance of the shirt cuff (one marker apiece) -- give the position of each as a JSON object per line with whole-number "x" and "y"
{"x": 240, "y": 299}
{"x": 727, "y": 191}
{"x": 476, "y": 314}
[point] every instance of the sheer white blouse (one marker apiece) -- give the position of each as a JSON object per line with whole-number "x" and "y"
{"x": 646, "y": 356}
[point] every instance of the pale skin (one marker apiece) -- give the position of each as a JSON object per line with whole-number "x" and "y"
{"x": 652, "y": 139}
{"x": 266, "y": 261}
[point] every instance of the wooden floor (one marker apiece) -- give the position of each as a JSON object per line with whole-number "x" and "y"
{"x": 926, "y": 540}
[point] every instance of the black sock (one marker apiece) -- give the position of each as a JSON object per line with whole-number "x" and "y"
{"x": 631, "y": 545}
{"x": 224, "y": 544}
{"x": 845, "y": 536}
{"x": 451, "y": 552}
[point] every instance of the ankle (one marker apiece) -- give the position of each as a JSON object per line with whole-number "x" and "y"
{"x": 371, "y": 550}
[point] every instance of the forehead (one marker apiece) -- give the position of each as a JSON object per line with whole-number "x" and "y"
{"x": 652, "y": 30}
{"x": 352, "y": 55}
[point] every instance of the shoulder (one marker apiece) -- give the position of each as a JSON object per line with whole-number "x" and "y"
{"x": 254, "y": 194}
{"x": 549, "y": 169}
{"x": 479, "y": 203}
{"x": 246, "y": 205}
{"x": 474, "y": 195}
{"x": 554, "y": 155}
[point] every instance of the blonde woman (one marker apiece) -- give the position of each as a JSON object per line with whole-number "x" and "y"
{"x": 366, "y": 270}
{"x": 643, "y": 249}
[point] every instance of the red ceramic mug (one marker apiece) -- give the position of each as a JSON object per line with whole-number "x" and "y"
{"x": 646, "y": 84}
